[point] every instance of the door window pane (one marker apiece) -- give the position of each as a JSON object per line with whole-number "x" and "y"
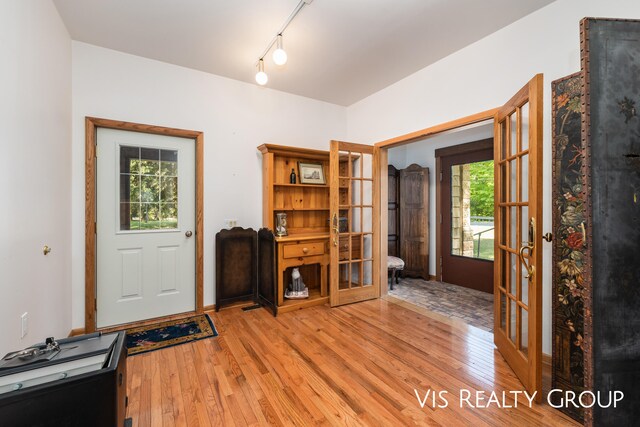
{"x": 524, "y": 111}
{"x": 524, "y": 331}
{"x": 149, "y": 161}
{"x": 367, "y": 166}
{"x": 514, "y": 134}
{"x": 168, "y": 163}
{"x": 524, "y": 180}
{"x": 503, "y": 311}
{"x": 367, "y": 193}
{"x": 367, "y": 273}
{"x": 356, "y": 193}
{"x": 343, "y": 276}
{"x": 512, "y": 321}
{"x": 148, "y": 188}
{"x": 472, "y": 216}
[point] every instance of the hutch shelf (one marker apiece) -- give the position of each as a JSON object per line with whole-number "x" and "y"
{"x": 306, "y": 244}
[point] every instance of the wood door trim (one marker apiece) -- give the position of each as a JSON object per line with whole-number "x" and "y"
{"x": 397, "y": 141}
{"x": 383, "y": 162}
{"x": 439, "y": 128}
{"x": 438, "y": 219}
{"x": 91, "y": 126}
{"x": 480, "y": 267}
{"x": 469, "y": 147}
{"x": 466, "y": 148}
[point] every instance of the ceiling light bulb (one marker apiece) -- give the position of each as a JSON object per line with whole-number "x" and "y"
{"x": 261, "y": 76}
{"x": 279, "y": 55}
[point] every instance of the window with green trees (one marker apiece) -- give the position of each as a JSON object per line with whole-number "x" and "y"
{"x": 148, "y": 188}
{"x": 472, "y": 220}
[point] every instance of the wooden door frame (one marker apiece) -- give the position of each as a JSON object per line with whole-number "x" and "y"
{"x": 464, "y": 148}
{"x": 384, "y": 146}
{"x": 91, "y": 126}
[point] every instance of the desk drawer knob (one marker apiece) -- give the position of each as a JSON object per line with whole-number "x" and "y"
{"x": 305, "y": 250}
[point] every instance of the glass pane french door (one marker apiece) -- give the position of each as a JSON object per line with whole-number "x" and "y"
{"x": 353, "y": 223}
{"x": 518, "y": 255}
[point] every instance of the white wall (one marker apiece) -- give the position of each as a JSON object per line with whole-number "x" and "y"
{"x": 35, "y": 177}
{"x": 484, "y": 75}
{"x": 235, "y": 117}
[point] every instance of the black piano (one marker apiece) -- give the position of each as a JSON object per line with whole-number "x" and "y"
{"x": 77, "y": 381}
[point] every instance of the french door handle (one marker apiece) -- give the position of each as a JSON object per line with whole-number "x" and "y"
{"x": 530, "y": 268}
{"x": 530, "y": 245}
{"x": 336, "y": 229}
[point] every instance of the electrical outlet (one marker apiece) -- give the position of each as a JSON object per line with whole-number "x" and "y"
{"x": 230, "y": 223}
{"x": 25, "y": 324}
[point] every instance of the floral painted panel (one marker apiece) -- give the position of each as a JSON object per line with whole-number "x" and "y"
{"x": 569, "y": 248}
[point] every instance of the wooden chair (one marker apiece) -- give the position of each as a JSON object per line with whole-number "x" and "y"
{"x": 394, "y": 264}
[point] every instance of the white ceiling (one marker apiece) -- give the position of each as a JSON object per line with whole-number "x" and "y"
{"x": 340, "y": 51}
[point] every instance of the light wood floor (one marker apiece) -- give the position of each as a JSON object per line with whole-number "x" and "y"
{"x": 353, "y": 365}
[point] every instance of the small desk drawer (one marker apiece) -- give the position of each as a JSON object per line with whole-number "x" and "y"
{"x": 303, "y": 249}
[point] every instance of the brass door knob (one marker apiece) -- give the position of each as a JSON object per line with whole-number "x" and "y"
{"x": 46, "y": 250}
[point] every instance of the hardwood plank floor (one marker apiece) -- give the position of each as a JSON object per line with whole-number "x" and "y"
{"x": 355, "y": 365}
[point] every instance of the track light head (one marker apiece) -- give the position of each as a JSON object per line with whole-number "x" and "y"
{"x": 261, "y": 76}
{"x": 279, "y": 55}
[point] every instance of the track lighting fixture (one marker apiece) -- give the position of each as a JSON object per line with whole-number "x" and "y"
{"x": 279, "y": 55}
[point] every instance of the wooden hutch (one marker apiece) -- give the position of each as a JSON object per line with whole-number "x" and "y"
{"x": 307, "y": 207}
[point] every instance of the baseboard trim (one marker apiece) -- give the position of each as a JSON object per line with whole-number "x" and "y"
{"x": 80, "y": 331}
{"x": 433, "y": 278}
{"x": 76, "y": 331}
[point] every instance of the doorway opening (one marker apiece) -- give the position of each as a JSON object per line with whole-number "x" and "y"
{"x": 517, "y": 133}
{"x": 459, "y": 284}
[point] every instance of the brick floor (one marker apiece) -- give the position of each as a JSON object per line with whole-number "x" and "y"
{"x": 469, "y": 305}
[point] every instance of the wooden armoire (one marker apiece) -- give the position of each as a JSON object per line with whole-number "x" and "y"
{"x": 596, "y": 192}
{"x": 392, "y": 215}
{"x": 413, "y": 191}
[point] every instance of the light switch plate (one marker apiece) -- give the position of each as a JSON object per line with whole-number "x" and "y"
{"x": 24, "y": 324}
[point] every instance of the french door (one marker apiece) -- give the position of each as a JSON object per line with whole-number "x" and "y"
{"x": 518, "y": 232}
{"x": 354, "y": 220}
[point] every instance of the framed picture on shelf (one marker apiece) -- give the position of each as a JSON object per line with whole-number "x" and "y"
{"x": 311, "y": 173}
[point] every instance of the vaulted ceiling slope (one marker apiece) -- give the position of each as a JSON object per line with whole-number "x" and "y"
{"x": 340, "y": 51}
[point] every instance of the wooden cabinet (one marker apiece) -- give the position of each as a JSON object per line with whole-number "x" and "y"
{"x": 313, "y": 266}
{"x": 307, "y": 208}
{"x": 414, "y": 220}
{"x": 392, "y": 215}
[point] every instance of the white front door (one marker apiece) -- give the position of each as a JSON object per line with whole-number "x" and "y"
{"x": 145, "y": 221}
